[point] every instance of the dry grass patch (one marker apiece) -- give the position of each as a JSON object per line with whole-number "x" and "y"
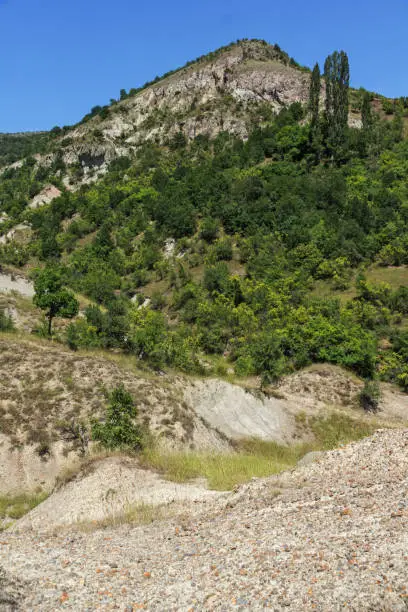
{"x": 134, "y": 514}
{"x": 395, "y": 276}
{"x": 224, "y": 471}
{"x": 339, "y": 428}
{"x": 43, "y": 383}
{"x": 17, "y": 506}
{"x": 258, "y": 458}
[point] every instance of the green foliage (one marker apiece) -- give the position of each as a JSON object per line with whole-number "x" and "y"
{"x": 387, "y": 106}
{"x": 148, "y": 335}
{"x": 244, "y": 366}
{"x": 337, "y": 78}
{"x": 14, "y": 147}
{"x": 119, "y": 430}
{"x": 6, "y": 322}
{"x": 14, "y": 507}
{"x": 209, "y": 229}
{"x": 337, "y": 429}
{"x": 270, "y": 234}
{"x": 314, "y": 95}
{"x": 223, "y": 250}
{"x": 107, "y": 329}
{"x": 366, "y": 112}
{"x": 216, "y": 278}
{"x": 52, "y": 297}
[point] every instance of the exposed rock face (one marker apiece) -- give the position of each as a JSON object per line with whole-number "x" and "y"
{"x": 205, "y": 98}
{"x": 238, "y": 413}
{"x": 45, "y": 196}
{"x": 20, "y": 233}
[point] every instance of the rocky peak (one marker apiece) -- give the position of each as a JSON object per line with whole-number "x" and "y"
{"x": 227, "y": 90}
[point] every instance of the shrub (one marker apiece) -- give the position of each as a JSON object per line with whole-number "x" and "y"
{"x": 223, "y": 250}
{"x": 119, "y": 429}
{"x": 158, "y": 300}
{"x": 387, "y": 106}
{"x": 82, "y": 334}
{"x": 369, "y": 396}
{"x": 216, "y": 278}
{"x": 209, "y": 229}
{"x": 244, "y": 366}
{"x": 6, "y": 322}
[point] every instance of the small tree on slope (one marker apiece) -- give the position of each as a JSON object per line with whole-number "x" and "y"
{"x": 119, "y": 429}
{"x": 52, "y": 297}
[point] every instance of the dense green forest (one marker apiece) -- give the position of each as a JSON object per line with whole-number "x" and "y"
{"x": 255, "y": 256}
{"x": 14, "y": 147}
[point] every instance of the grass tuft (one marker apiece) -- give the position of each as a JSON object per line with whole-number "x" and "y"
{"x": 138, "y": 514}
{"x": 17, "y": 506}
{"x": 338, "y": 429}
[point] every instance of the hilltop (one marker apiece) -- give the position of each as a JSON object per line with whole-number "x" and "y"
{"x": 226, "y": 90}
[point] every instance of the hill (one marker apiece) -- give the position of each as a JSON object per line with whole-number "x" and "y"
{"x": 224, "y": 90}
{"x": 225, "y": 250}
{"x": 326, "y": 535}
{"x": 202, "y": 283}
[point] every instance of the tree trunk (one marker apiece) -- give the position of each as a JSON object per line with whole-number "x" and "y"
{"x": 49, "y": 324}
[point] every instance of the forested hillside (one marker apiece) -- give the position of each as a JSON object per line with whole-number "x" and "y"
{"x": 258, "y": 255}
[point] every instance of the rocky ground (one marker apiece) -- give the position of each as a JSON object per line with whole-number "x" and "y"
{"x": 330, "y": 535}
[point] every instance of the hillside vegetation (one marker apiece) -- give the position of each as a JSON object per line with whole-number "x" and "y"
{"x": 255, "y": 256}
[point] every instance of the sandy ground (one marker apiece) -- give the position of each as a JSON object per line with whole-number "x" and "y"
{"x": 112, "y": 486}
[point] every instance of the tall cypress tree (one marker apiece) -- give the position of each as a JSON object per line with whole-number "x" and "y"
{"x": 314, "y": 99}
{"x": 337, "y": 79}
{"x": 314, "y": 95}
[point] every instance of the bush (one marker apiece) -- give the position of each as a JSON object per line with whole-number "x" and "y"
{"x": 387, "y": 106}
{"x": 244, "y": 366}
{"x": 119, "y": 429}
{"x": 216, "y": 278}
{"x": 6, "y": 322}
{"x": 223, "y": 250}
{"x": 209, "y": 229}
{"x": 369, "y": 396}
{"x": 82, "y": 334}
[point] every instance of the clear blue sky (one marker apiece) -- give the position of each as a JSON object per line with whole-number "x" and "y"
{"x": 58, "y": 58}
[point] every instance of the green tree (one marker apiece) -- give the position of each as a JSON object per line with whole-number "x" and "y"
{"x": 370, "y": 395}
{"x": 314, "y": 96}
{"x": 118, "y": 429}
{"x": 337, "y": 79}
{"x": 52, "y": 297}
{"x": 397, "y": 124}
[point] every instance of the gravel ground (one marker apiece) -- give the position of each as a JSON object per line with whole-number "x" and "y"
{"x": 330, "y": 535}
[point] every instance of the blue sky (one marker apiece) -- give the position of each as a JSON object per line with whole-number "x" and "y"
{"x": 58, "y": 58}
